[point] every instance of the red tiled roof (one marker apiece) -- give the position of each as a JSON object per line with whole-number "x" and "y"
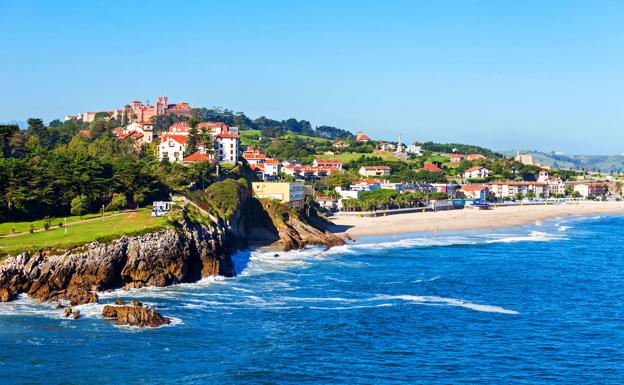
{"x": 247, "y": 155}
{"x": 85, "y": 132}
{"x": 178, "y": 138}
{"x": 431, "y": 167}
{"x": 197, "y": 157}
{"x": 367, "y": 181}
{"x": 228, "y": 136}
{"x": 376, "y": 167}
{"x": 272, "y": 161}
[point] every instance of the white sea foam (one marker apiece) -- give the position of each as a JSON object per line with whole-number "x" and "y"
{"x": 435, "y": 300}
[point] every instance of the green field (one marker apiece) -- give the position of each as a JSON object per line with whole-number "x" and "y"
{"x": 22, "y": 227}
{"x": 438, "y": 158}
{"x": 82, "y": 233}
{"x": 248, "y": 137}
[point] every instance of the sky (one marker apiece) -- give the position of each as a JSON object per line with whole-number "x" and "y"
{"x": 544, "y": 75}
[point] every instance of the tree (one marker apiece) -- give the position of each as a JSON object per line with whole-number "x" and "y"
{"x": 79, "y": 205}
{"x": 138, "y": 198}
{"x": 192, "y": 142}
{"x": 7, "y": 131}
{"x": 119, "y": 202}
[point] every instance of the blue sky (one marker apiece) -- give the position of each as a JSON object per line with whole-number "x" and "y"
{"x": 504, "y": 74}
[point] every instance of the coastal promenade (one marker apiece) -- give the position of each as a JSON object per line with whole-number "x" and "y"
{"x": 501, "y": 216}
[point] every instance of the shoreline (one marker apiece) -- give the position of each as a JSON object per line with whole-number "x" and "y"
{"x": 464, "y": 219}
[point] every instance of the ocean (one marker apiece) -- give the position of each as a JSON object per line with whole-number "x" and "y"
{"x": 537, "y": 304}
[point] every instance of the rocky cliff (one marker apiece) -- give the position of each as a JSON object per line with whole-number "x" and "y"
{"x": 186, "y": 252}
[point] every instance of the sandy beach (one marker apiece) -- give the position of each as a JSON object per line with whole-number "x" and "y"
{"x": 466, "y": 219}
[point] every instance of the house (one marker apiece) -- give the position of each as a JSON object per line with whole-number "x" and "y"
{"x": 475, "y": 191}
{"x": 340, "y": 144}
{"x": 592, "y": 189}
{"x": 361, "y": 137}
{"x": 254, "y": 158}
{"x": 173, "y": 143}
{"x": 172, "y": 147}
{"x": 519, "y": 189}
{"x": 475, "y": 157}
{"x": 387, "y": 146}
{"x": 431, "y": 167}
{"x": 365, "y": 185}
{"x": 290, "y": 193}
{"x": 456, "y": 158}
{"x": 332, "y": 163}
{"x": 326, "y": 202}
{"x": 271, "y": 169}
{"x": 308, "y": 172}
{"x": 144, "y": 128}
{"x": 414, "y": 149}
{"x": 555, "y": 185}
{"x": 215, "y": 128}
{"x": 197, "y": 157}
{"x": 374, "y": 170}
{"x": 476, "y": 172}
{"x": 134, "y": 137}
{"x": 447, "y": 188}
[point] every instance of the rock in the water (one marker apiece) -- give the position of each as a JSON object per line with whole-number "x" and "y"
{"x": 76, "y": 314}
{"x": 135, "y": 316}
{"x": 118, "y": 301}
{"x": 136, "y": 303}
{"x": 59, "y": 305}
{"x": 67, "y": 312}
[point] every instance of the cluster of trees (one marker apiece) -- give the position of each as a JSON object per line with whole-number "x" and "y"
{"x": 382, "y": 199}
{"x": 269, "y": 127}
{"x": 460, "y": 148}
{"x": 53, "y": 171}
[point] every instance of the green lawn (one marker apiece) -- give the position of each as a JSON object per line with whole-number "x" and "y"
{"x": 20, "y": 227}
{"x": 438, "y": 158}
{"x": 309, "y": 138}
{"x": 82, "y": 233}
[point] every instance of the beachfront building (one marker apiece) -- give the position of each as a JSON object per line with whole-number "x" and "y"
{"x": 592, "y": 189}
{"x": 475, "y": 191}
{"x": 326, "y": 202}
{"x": 374, "y": 170}
{"x": 290, "y": 193}
{"x": 451, "y": 189}
{"x": 556, "y": 187}
{"x": 508, "y": 190}
{"x": 476, "y": 172}
{"x": 366, "y": 185}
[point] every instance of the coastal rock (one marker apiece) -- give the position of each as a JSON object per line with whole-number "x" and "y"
{"x": 135, "y": 316}
{"x": 184, "y": 253}
{"x": 76, "y": 314}
{"x": 118, "y": 301}
{"x": 67, "y": 312}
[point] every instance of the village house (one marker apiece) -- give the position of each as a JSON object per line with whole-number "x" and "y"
{"x": 475, "y": 157}
{"x": 340, "y": 144}
{"x": 308, "y": 172}
{"x": 414, "y": 148}
{"x": 592, "y": 189}
{"x": 361, "y": 137}
{"x": 173, "y": 143}
{"x": 328, "y": 203}
{"x": 374, "y": 170}
{"x": 555, "y": 185}
{"x": 365, "y": 185}
{"x": 432, "y": 167}
{"x": 387, "y": 146}
{"x": 476, "y": 172}
{"x": 335, "y": 163}
{"x": 456, "y": 158}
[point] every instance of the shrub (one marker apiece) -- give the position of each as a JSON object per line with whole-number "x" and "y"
{"x": 31, "y": 228}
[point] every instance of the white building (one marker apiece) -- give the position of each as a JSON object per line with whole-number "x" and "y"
{"x": 476, "y": 172}
{"x": 374, "y": 170}
{"x": 414, "y": 149}
{"x": 147, "y": 129}
{"x": 592, "y": 189}
{"x": 514, "y": 189}
{"x": 173, "y": 143}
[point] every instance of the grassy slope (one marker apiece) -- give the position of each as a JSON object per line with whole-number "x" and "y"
{"x": 349, "y": 157}
{"x": 82, "y": 233}
{"x": 20, "y": 227}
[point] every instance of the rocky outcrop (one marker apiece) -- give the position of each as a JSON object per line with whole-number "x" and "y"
{"x": 186, "y": 252}
{"x": 175, "y": 255}
{"x": 135, "y": 316}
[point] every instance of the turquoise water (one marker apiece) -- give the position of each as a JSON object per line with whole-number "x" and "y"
{"x": 536, "y": 304}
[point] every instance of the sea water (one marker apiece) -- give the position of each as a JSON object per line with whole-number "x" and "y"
{"x": 536, "y": 304}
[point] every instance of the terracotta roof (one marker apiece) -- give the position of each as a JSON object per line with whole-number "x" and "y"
{"x": 85, "y": 132}
{"x": 197, "y": 157}
{"x": 328, "y": 161}
{"x": 367, "y": 181}
{"x": 431, "y": 167}
{"x": 178, "y": 138}
{"x": 272, "y": 161}
{"x": 376, "y": 167}
{"x": 247, "y": 155}
{"x": 228, "y": 136}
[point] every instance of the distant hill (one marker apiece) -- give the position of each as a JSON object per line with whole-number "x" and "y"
{"x": 569, "y": 161}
